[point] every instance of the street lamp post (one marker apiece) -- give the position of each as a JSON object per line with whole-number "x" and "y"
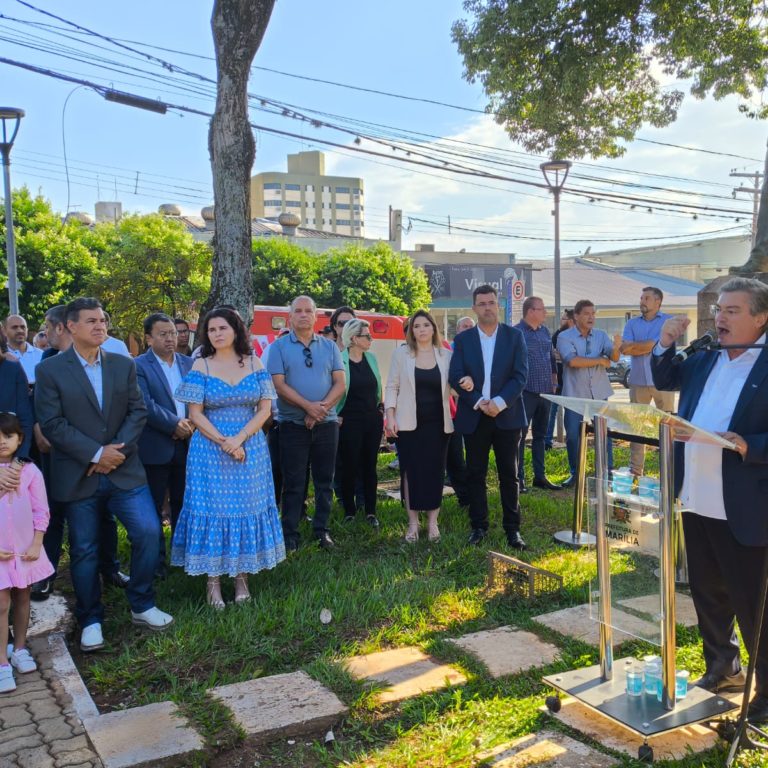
{"x": 555, "y": 173}
{"x": 10, "y": 117}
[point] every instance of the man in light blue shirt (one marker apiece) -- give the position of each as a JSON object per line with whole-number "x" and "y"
{"x": 308, "y": 374}
{"x": 639, "y": 338}
{"x": 586, "y": 352}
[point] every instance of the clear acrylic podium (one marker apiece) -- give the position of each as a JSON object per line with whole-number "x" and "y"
{"x": 621, "y": 520}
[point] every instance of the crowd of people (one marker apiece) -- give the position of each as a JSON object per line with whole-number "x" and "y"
{"x": 225, "y": 443}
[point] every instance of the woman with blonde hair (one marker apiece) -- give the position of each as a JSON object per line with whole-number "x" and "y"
{"x": 417, "y": 402}
{"x": 361, "y": 417}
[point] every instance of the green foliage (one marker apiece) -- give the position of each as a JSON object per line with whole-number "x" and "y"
{"x": 53, "y": 260}
{"x": 374, "y": 278}
{"x": 577, "y": 77}
{"x": 148, "y": 264}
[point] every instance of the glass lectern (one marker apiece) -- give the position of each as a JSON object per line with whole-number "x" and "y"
{"x": 649, "y": 525}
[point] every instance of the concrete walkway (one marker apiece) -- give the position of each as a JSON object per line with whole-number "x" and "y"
{"x": 38, "y": 722}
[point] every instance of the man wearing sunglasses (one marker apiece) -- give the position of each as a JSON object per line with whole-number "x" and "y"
{"x": 308, "y": 374}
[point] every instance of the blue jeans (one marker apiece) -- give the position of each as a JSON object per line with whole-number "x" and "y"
{"x": 136, "y": 511}
{"x": 550, "y": 438}
{"x": 572, "y": 421}
{"x": 537, "y": 409}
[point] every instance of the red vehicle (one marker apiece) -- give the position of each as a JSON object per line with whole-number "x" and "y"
{"x": 386, "y": 330}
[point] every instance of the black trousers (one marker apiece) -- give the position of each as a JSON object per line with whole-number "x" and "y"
{"x": 725, "y": 585}
{"x": 359, "y": 441}
{"x": 505, "y": 444}
{"x": 171, "y": 477}
{"x": 456, "y": 467}
{"x": 300, "y": 446}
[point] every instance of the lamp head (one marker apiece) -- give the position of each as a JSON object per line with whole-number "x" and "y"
{"x": 556, "y": 167}
{"x": 10, "y": 117}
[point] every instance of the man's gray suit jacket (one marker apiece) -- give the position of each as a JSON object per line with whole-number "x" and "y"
{"x": 70, "y": 417}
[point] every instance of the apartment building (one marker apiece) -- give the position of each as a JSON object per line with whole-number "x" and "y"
{"x": 325, "y": 203}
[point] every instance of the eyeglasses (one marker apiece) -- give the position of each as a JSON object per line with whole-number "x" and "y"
{"x": 308, "y": 357}
{"x": 716, "y": 309}
{"x": 166, "y": 335}
{"x": 364, "y": 336}
{"x": 341, "y": 323}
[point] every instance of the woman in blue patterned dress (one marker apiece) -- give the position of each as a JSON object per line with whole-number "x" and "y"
{"x": 229, "y": 523}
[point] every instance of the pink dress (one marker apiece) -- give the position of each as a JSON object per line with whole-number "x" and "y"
{"x": 21, "y": 514}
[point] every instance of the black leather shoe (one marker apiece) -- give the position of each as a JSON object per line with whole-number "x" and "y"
{"x": 325, "y": 541}
{"x": 117, "y": 579}
{"x": 758, "y": 709}
{"x": 546, "y": 484}
{"x": 291, "y": 545}
{"x": 477, "y": 535}
{"x": 515, "y": 540}
{"x": 372, "y": 520}
{"x": 569, "y": 483}
{"x": 41, "y": 590}
{"x": 722, "y": 683}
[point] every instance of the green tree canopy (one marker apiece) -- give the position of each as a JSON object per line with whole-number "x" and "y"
{"x": 53, "y": 260}
{"x": 148, "y": 264}
{"x": 576, "y": 77}
{"x": 370, "y": 278}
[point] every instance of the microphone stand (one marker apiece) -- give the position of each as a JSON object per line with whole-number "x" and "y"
{"x": 740, "y": 734}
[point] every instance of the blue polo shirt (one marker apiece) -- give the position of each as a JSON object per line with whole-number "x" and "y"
{"x": 290, "y": 358}
{"x": 640, "y": 329}
{"x": 587, "y": 383}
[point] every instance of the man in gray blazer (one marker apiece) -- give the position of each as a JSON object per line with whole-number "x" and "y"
{"x": 91, "y": 410}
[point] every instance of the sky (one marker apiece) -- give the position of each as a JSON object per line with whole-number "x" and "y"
{"x": 142, "y": 159}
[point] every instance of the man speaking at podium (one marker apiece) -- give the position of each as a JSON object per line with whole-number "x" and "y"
{"x": 726, "y": 529}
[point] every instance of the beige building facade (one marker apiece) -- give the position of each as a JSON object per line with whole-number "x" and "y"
{"x": 325, "y": 203}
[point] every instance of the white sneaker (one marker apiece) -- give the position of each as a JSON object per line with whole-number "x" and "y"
{"x": 91, "y": 638}
{"x": 154, "y": 619}
{"x": 22, "y": 661}
{"x": 7, "y": 683}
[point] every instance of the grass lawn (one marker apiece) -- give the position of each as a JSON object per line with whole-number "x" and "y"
{"x": 382, "y": 593}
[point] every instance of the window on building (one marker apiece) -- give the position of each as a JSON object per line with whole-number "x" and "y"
{"x": 342, "y": 206}
{"x": 342, "y": 190}
{"x": 357, "y": 207}
{"x": 343, "y": 223}
{"x": 357, "y": 191}
{"x": 294, "y": 187}
{"x": 273, "y": 185}
{"x": 293, "y": 203}
{"x": 278, "y": 203}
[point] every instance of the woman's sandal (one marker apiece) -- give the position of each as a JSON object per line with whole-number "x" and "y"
{"x": 412, "y": 536}
{"x": 434, "y": 534}
{"x": 213, "y": 594}
{"x": 242, "y": 594}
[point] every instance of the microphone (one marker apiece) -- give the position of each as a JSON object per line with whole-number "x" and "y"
{"x": 695, "y": 346}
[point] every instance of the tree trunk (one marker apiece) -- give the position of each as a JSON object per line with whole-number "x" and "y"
{"x": 238, "y": 27}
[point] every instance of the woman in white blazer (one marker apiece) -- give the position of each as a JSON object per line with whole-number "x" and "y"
{"x": 417, "y": 398}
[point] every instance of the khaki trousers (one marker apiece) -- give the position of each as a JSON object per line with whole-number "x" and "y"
{"x": 665, "y": 401}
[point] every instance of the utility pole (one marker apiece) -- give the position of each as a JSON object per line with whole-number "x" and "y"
{"x": 754, "y": 191}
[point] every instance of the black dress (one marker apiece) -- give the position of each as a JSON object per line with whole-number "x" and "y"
{"x": 422, "y": 451}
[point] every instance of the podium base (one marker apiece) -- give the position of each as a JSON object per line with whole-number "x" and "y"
{"x": 642, "y": 714}
{"x": 567, "y": 539}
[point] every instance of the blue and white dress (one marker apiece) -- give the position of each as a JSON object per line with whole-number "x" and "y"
{"x": 229, "y": 523}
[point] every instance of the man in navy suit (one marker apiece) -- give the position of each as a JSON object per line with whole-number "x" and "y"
{"x": 726, "y": 529}
{"x": 164, "y": 442}
{"x": 491, "y": 415}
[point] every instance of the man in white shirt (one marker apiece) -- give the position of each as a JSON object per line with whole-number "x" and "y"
{"x": 163, "y": 443}
{"x": 724, "y": 491}
{"x": 29, "y": 356}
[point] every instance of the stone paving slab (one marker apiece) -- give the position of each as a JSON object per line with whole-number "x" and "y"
{"x": 507, "y": 651}
{"x": 546, "y": 749}
{"x": 576, "y": 622}
{"x": 685, "y": 613}
{"x": 671, "y": 745}
{"x": 281, "y": 705}
{"x": 142, "y": 735}
{"x": 406, "y": 672}
{"x": 51, "y": 615}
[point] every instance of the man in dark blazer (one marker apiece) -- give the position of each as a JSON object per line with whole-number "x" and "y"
{"x": 91, "y": 411}
{"x": 726, "y": 529}
{"x": 163, "y": 443}
{"x": 491, "y": 415}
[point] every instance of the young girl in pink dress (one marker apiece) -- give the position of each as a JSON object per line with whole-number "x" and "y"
{"x": 23, "y": 520}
